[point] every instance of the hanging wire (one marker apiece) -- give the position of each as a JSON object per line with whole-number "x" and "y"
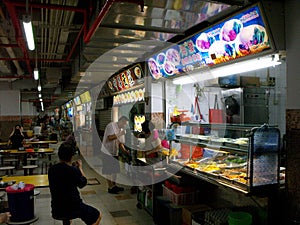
{"x": 27, "y": 7}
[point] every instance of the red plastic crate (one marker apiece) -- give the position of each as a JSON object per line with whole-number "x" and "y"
{"x": 182, "y": 198}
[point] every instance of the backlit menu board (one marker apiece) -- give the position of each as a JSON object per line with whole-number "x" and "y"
{"x": 85, "y": 97}
{"x": 126, "y": 79}
{"x": 241, "y": 35}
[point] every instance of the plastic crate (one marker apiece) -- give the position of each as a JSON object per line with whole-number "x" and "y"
{"x": 182, "y": 198}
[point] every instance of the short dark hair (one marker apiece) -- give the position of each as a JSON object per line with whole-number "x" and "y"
{"x": 65, "y": 152}
{"x": 17, "y": 132}
{"x": 123, "y": 118}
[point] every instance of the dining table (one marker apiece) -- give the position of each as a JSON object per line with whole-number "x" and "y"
{"x": 38, "y": 144}
{"x": 39, "y": 181}
{"x": 23, "y": 154}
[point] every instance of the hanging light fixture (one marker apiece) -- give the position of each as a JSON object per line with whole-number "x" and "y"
{"x": 39, "y": 87}
{"x": 28, "y": 32}
{"x": 27, "y": 25}
{"x": 36, "y": 73}
{"x": 36, "y": 70}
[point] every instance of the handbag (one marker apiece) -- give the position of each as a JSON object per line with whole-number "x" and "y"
{"x": 216, "y": 115}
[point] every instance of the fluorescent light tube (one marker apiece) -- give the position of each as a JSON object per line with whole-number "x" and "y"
{"x": 28, "y": 32}
{"x": 40, "y": 95}
{"x": 39, "y": 87}
{"x": 235, "y": 68}
{"x": 36, "y": 73}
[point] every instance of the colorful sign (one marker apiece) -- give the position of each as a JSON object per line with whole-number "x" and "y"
{"x": 243, "y": 34}
{"x": 129, "y": 96}
{"x": 85, "y": 97}
{"x": 125, "y": 80}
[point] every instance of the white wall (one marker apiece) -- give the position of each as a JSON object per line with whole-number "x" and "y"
{"x": 28, "y": 109}
{"x": 10, "y": 103}
{"x": 293, "y": 49}
{"x": 157, "y": 98}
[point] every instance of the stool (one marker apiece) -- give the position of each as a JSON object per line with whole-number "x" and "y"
{"x": 65, "y": 221}
{"x": 29, "y": 168}
{"x": 7, "y": 169}
{"x": 32, "y": 160}
{"x": 49, "y": 155}
{"x": 11, "y": 162}
{"x": 34, "y": 219}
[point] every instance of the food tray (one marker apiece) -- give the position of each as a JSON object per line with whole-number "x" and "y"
{"x": 182, "y": 198}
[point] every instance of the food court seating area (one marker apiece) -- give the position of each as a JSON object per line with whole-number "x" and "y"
{"x": 27, "y": 163}
{"x": 116, "y": 209}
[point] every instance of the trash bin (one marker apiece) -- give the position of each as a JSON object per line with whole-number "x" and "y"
{"x": 239, "y": 218}
{"x": 21, "y": 203}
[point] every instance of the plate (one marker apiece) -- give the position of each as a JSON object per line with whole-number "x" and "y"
{"x": 230, "y": 30}
{"x": 203, "y": 42}
{"x": 221, "y": 51}
{"x": 138, "y": 72}
{"x": 173, "y": 56}
{"x": 169, "y": 68}
{"x": 154, "y": 69}
{"x": 252, "y": 39}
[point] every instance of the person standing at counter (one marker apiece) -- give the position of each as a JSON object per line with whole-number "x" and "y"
{"x": 65, "y": 178}
{"x": 152, "y": 140}
{"x": 113, "y": 141}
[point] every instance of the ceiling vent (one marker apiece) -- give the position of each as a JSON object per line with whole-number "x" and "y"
{"x": 53, "y": 75}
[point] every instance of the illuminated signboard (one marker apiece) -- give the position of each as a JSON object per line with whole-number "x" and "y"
{"x": 241, "y": 35}
{"x": 77, "y": 100}
{"x": 85, "y": 97}
{"x": 126, "y": 79}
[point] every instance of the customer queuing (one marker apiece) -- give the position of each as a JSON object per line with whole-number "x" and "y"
{"x": 113, "y": 142}
{"x": 65, "y": 178}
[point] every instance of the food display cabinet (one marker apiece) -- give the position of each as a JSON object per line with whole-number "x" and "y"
{"x": 249, "y": 163}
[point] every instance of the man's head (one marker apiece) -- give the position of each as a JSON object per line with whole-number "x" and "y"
{"x": 147, "y": 126}
{"x": 123, "y": 121}
{"x": 65, "y": 152}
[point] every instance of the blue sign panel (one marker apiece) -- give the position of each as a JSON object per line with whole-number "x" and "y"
{"x": 238, "y": 36}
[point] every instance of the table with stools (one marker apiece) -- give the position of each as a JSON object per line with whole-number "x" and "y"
{"x": 38, "y": 181}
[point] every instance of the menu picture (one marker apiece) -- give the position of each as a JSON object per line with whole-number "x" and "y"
{"x": 243, "y": 34}
{"x": 125, "y": 80}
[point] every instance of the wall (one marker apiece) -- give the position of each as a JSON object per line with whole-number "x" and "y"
{"x": 10, "y": 103}
{"x": 293, "y": 110}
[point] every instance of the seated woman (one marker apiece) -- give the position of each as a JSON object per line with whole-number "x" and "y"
{"x": 16, "y": 140}
{"x": 152, "y": 141}
{"x": 17, "y": 127}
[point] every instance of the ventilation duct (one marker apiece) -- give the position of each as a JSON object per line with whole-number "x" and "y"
{"x": 53, "y": 75}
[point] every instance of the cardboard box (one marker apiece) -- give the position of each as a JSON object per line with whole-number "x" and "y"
{"x": 187, "y": 212}
{"x": 250, "y": 81}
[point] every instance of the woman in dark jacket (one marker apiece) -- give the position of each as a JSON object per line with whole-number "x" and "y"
{"x": 16, "y": 140}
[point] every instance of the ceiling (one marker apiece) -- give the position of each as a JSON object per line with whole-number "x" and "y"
{"x": 71, "y": 35}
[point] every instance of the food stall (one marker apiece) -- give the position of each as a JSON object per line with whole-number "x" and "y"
{"x": 221, "y": 100}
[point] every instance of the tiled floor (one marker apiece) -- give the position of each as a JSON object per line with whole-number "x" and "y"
{"x": 116, "y": 209}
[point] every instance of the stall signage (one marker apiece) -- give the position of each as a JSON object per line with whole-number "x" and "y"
{"x": 241, "y": 35}
{"x": 85, "y": 97}
{"x": 125, "y": 80}
{"x": 129, "y": 96}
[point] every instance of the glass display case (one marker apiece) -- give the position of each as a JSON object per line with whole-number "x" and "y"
{"x": 242, "y": 157}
